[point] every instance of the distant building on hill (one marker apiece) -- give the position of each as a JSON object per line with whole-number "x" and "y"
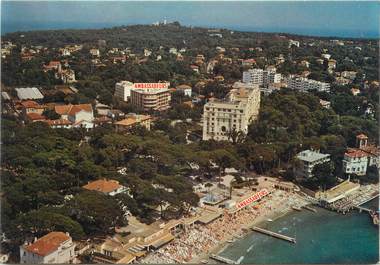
{"x": 261, "y": 77}
{"x": 304, "y": 85}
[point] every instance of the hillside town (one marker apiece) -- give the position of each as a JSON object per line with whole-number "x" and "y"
{"x": 136, "y": 149}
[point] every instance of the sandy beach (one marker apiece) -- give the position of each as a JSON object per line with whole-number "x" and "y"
{"x": 199, "y": 242}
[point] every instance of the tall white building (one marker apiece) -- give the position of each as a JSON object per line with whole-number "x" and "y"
{"x": 55, "y": 247}
{"x": 123, "y": 90}
{"x": 304, "y": 84}
{"x": 308, "y": 159}
{"x": 234, "y": 113}
{"x": 254, "y": 76}
{"x": 261, "y": 77}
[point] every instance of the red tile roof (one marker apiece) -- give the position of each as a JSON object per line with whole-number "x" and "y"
{"x": 31, "y": 104}
{"x": 35, "y": 116}
{"x": 372, "y": 150}
{"x": 103, "y": 185}
{"x": 355, "y": 153}
{"x": 72, "y": 109}
{"x": 48, "y": 243}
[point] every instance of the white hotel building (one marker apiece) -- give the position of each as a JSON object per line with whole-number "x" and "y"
{"x": 235, "y": 112}
{"x": 303, "y": 84}
{"x": 123, "y": 88}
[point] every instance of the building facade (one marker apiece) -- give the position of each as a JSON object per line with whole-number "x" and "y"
{"x": 123, "y": 90}
{"x": 261, "y": 77}
{"x": 234, "y": 113}
{"x": 307, "y": 160}
{"x": 151, "y": 99}
{"x": 355, "y": 162}
{"x": 304, "y": 85}
{"x": 55, "y": 247}
{"x": 133, "y": 120}
{"x": 80, "y": 115}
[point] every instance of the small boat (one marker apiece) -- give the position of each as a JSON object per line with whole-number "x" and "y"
{"x": 204, "y": 261}
{"x": 231, "y": 241}
{"x": 270, "y": 220}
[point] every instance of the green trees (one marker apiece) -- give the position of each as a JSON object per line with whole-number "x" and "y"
{"x": 97, "y": 213}
{"x": 323, "y": 176}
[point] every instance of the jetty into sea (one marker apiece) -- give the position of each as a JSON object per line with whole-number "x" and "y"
{"x": 274, "y": 234}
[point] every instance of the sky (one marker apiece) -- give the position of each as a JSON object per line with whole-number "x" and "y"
{"x": 322, "y": 18}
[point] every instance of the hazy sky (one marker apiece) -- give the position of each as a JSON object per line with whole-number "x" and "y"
{"x": 339, "y": 18}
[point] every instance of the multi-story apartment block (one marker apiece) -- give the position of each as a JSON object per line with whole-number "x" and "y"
{"x": 254, "y": 76}
{"x": 123, "y": 90}
{"x": 304, "y": 84}
{"x": 355, "y": 161}
{"x": 308, "y": 159}
{"x": 55, "y": 247}
{"x": 157, "y": 99}
{"x": 261, "y": 77}
{"x": 234, "y": 113}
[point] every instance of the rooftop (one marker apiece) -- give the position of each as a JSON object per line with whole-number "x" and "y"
{"x": 29, "y": 93}
{"x": 133, "y": 120}
{"x": 72, "y": 109}
{"x": 31, "y": 104}
{"x": 47, "y": 243}
{"x": 355, "y": 153}
{"x": 103, "y": 185}
{"x": 311, "y": 156}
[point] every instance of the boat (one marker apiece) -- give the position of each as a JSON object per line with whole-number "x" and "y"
{"x": 270, "y": 220}
{"x": 204, "y": 261}
{"x": 231, "y": 241}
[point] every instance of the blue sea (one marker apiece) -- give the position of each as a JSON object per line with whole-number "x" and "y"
{"x": 355, "y": 19}
{"x": 322, "y": 237}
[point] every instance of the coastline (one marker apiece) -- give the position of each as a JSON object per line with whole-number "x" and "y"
{"x": 198, "y": 243}
{"x": 274, "y": 215}
{"x": 319, "y": 236}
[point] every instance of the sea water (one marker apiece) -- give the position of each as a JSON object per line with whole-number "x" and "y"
{"x": 322, "y": 237}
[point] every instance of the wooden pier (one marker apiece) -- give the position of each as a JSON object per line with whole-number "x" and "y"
{"x": 222, "y": 259}
{"x": 361, "y": 209}
{"x": 274, "y": 234}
